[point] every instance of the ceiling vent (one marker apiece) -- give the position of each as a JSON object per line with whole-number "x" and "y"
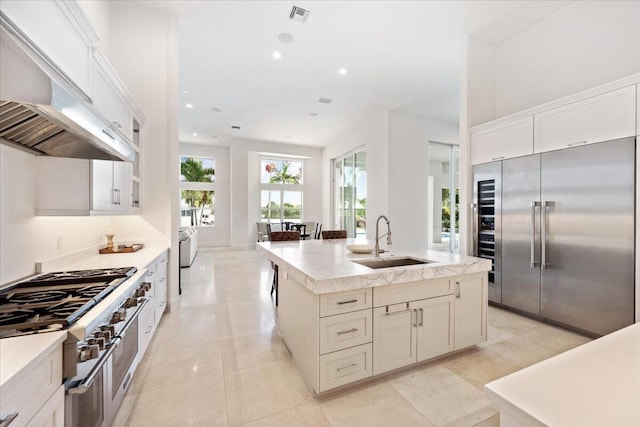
{"x": 235, "y": 127}
{"x": 325, "y": 100}
{"x": 299, "y": 14}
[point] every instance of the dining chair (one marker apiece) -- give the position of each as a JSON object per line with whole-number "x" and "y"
{"x": 310, "y": 230}
{"x": 263, "y": 231}
{"x": 316, "y": 234}
{"x": 280, "y": 236}
{"x": 334, "y": 234}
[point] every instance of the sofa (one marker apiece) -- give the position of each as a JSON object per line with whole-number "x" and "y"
{"x": 188, "y": 245}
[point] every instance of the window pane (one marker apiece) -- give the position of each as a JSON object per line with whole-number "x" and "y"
{"x": 270, "y": 206}
{"x": 197, "y": 208}
{"x": 292, "y": 206}
{"x": 197, "y": 169}
{"x": 280, "y": 171}
{"x": 360, "y": 202}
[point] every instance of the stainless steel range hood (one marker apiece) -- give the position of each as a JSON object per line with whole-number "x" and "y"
{"x": 44, "y": 114}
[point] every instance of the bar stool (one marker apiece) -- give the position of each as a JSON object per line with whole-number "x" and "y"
{"x": 280, "y": 236}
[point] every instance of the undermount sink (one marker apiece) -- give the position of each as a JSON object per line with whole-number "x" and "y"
{"x": 391, "y": 262}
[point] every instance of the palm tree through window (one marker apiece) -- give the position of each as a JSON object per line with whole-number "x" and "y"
{"x": 197, "y": 191}
{"x": 281, "y": 184}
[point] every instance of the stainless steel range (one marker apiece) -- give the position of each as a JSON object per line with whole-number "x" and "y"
{"x": 99, "y": 309}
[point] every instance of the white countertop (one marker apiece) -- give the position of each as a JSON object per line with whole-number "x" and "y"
{"x": 18, "y": 353}
{"x": 324, "y": 266}
{"x": 596, "y": 384}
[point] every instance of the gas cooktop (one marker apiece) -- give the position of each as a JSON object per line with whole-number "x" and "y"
{"x": 56, "y": 300}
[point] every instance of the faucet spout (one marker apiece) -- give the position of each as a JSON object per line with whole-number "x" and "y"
{"x": 378, "y": 236}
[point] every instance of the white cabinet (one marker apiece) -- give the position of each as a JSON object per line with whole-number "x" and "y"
{"x": 160, "y": 278}
{"x": 505, "y": 140}
{"x": 604, "y": 117}
{"x": 111, "y": 186}
{"x": 83, "y": 187}
{"x": 36, "y": 391}
{"x": 470, "y": 310}
{"x": 107, "y": 98}
{"x": 60, "y": 34}
{"x": 412, "y": 332}
{"x": 146, "y": 327}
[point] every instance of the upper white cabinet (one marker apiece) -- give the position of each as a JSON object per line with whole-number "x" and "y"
{"x": 54, "y": 31}
{"x": 604, "y": 117}
{"x": 79, "y": 187}
{"x": 511, "y": 139}
{"x": 111, "y": 186}
{"x": 107, "y": 99}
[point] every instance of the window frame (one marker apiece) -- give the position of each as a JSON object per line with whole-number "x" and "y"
{"x": 281, "y": 188}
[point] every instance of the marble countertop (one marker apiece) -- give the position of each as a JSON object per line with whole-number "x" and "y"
{"x": 21, "y": 353}
{"x": 325, "y": 266}
{"x": 596, "y": 384}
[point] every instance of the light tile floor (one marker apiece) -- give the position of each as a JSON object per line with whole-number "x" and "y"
{"x": 217, "y": 360}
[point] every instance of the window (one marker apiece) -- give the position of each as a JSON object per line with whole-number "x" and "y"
{"x": 350, "y": 193}
{"x": 197, "y": 191}
{"x": 281, "y": 190}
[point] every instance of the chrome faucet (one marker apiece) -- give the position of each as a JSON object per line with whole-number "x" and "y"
{"x": 378, "y": 237}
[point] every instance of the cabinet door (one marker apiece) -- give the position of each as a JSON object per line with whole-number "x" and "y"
{"x": 54, "y": 30}
{"x": 122, "y": 185}
{"x": 110, "y": 104}
{"x": 435, "y": 327}
{"x": 146, "y": 326}
{"x": 102, "y": 194}
{"x": 394, "y": 337}
{"x": 470, "y": 310}
{"x": 509, "y": 140}
{"x": 600, "y": 118}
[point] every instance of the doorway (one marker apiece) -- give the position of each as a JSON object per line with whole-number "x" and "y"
{"x": 350, "y": 193}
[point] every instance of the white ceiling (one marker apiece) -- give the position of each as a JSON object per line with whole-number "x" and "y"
{"x": 398, "y": 54}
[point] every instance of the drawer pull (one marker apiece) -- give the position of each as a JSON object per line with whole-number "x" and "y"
{"x": 5, "y": 420}
{"x": 576, "y": 143}
{"x": 348, "y": 331}
{"x": 352, "y": 365}
{"x": 349, "y": 301}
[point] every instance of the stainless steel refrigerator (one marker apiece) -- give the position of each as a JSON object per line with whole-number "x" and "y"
{"x": 567, "y": 235}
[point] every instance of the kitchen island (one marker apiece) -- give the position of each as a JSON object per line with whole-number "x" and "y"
{"x": 344, "y": 322}
{"x": 596, "y": 384}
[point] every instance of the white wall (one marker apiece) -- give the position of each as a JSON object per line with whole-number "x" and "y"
{"x": 583, "y": 45}
{"x": 144, "y": 51}
{"x": 409, "y": 137}
{"x": 245, "y": 184}
{"x": 220, "y": 233}
{"x": 372, "y": 134}
{"x": 98, "y": 12}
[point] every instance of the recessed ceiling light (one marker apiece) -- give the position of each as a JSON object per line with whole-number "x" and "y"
{"x": 325, "y": 100}
{"x": 288, "y": 137}
{"x": 216, "y": 110}
{"x": 186, "y": 91}
{"x": 285, "y": 38}
{"x": 194, "y": 134}
{"x": 276, "y": 54}
{"x": 189, "y": 105}
{"x": 313, "y": 114}
{"x": 342, "y": 71}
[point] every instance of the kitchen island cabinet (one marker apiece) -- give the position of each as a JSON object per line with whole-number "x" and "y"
{"x": 344, "y": 322}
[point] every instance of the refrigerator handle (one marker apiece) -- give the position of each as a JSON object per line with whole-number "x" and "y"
{"x": 474, "y": 206}
{"x": 534, "y": 205}
{"x": 543, "y": 261}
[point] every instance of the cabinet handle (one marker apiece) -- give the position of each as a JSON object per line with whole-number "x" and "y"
{"x": 397, "y": 312}
{"x": 532, "y": 261}
{"x": 414, "y": 316}
{"x": 148, "y": 329}
{"x": 347, "y": 366}
{"x": 6, "y": 420}
{"x": 116, "y": 124}
{"x": 457, "y": 289}
{"x": 349, "y": 301}
{"x": 348, "y": 331}
{"x": 576, "y": 143}
{"x": 474, "y": 206}
{"x": 497, "y": 158}
{"x": 421, "y": 316}
{"x": 114, "y": 196}
{"x": 108, "y": 134}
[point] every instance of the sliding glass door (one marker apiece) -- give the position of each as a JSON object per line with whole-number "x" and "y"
{"x": 444, "y": 197}
{"x": 350, "y": 194}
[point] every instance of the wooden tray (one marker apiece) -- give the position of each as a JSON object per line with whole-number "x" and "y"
{"x": 122, "y": 249}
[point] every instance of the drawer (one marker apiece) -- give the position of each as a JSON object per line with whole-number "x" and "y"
{"x": 345, "y": 366}
{"x": 412, "y": 291}
{"x": 31, "y": 390}
{"x": 345, "y": 302}
{"x": 52, "y": 413}
{"x": 345, "y": 330}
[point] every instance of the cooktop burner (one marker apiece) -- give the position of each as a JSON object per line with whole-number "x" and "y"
{"x": 55, "y": 300}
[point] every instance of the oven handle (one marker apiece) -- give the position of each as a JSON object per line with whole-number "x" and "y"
{"x": 123, "y": 332}
{"x": 86, "y": 383}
